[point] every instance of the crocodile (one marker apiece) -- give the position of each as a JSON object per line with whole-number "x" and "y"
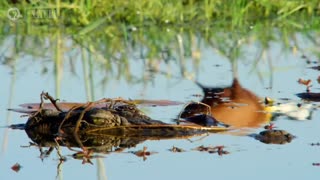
{"x": 106, "y": 116}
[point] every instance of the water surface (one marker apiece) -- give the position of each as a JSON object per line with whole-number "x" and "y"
{"x": 248, "y": 157}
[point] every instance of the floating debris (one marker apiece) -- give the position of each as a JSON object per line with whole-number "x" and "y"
{"x": 197, "y": 95}
{"x": 203, "y": 148}
{"x": 45, "y": 153}
{"x": 315, "y": 68}
{"x": 143, "y": 153}
{"x": 274, "y": 136}
{"x": 16, "y": 167}
{"x": 308, "y": 61}
{"x": 86, "y": 156}
{"x": 315, "y": 144}
{"x": 216, "y": 149}
{"x": 315, "y": 164}
{"x": 306, "y": 83}
{"x": 176, "y": 149}
{"x": 269, "y": 126}
{"x": 220, "y": 150}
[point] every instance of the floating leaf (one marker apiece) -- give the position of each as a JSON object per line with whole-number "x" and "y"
{"x": 16, "y": 167}
{"x": 143, "y": 153}
{"x": 269, "y": 126}
{"x": 304, "y": 82}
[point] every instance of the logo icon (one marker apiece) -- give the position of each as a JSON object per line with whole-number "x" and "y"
{"x": 14, "y": 14}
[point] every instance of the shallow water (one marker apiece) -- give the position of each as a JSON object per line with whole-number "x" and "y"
{"x": 248, "y": 157}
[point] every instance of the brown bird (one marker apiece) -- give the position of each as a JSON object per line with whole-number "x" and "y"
{"x": 234, "y": 105}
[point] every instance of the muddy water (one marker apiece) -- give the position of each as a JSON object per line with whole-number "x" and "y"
{"x": 248, "y": 158}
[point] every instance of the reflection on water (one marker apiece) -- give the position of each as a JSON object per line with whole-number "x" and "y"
{"x": 138, "y": 62}
{"x": 97, "y": 144}
{"x": 236, "y": 104}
